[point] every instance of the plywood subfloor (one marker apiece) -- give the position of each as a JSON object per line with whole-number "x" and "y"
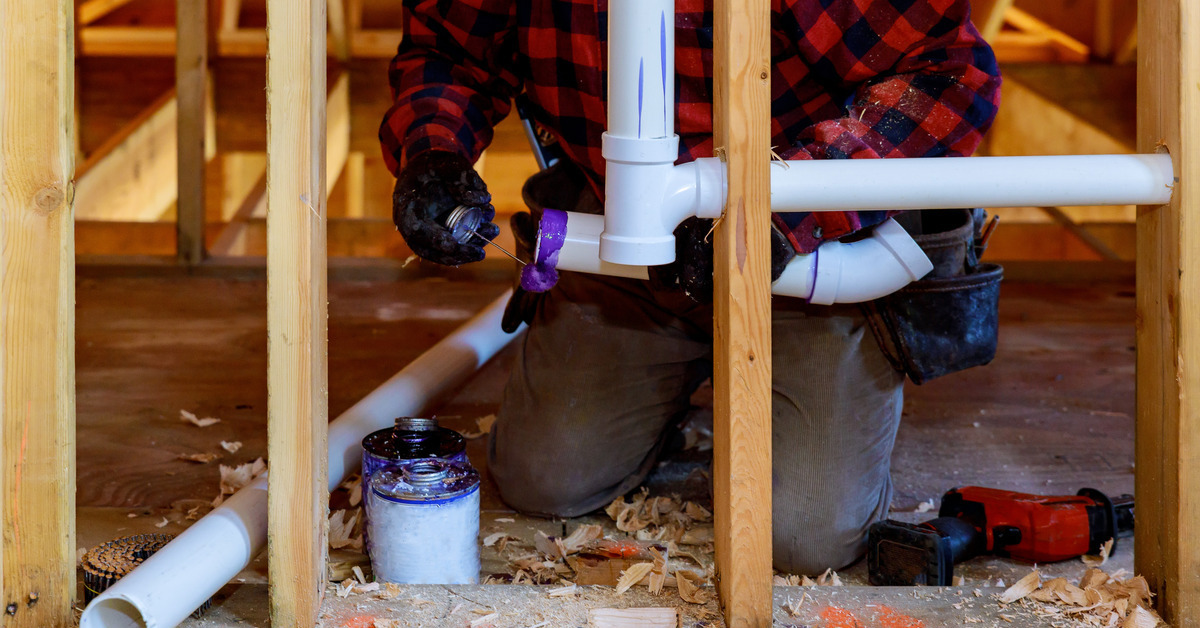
{"x": 1052, "y": 414}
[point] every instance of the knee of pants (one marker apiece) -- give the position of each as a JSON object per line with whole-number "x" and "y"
{"x": 559, "y": 482}
{"x": 811, "y": 549}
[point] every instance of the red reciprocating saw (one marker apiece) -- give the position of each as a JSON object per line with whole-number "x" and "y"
{"x": 975, "y": 520}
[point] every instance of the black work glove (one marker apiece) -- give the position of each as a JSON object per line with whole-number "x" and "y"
{"x": 430, "y": 187}
{"x": 692, "y": 270}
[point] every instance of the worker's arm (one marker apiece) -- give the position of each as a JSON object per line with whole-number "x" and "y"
{"x": 452, "y": 79}
{"x": 917, "y": 78}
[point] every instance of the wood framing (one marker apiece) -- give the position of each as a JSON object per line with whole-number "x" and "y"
{"x": 988, "y": 16}
{"x": 1167, "y": 545}
{"x": 742, "y": 314}
{"x": 37, "y": 324}
{"x": 297, "y": 377}
{"x": 191, "y": 86}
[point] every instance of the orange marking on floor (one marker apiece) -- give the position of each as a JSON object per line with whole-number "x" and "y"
{"x": 837, "y": 617}
{"x": 360, "y": 621}
{"x": 890, "y": 618}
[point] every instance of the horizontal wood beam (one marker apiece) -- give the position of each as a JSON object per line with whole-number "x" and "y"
{"x": 92, "y": 10}
{"x": 127, "y": 41}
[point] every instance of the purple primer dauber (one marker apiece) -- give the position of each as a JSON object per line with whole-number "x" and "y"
{"x": 541, "y": 275}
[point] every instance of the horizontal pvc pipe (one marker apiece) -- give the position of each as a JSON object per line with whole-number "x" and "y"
{"x": 837, "y": 272}
{"x": 176, "y": 580}
{"x": 954, "y": 182}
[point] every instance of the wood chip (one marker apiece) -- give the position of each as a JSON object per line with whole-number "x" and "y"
{"x": 202, "y": 458}
{"x": 358, "y": 574}
{"x": 231, "y": 446}
{"x": 485, "y": 620}
{"x": 341, "y": 530}
{"x": 1141, "y": 618}
{"x": 188, "y": 417}
{"x": 492, "y": 539}
{"x": 697, "y": 512}
{"x": 582, "y": 535}
{"x": 162, "y": 524}
{"x": 345, "y": 588}
{"x": 391, "y": 590}
{"x": 689, "y": 588}
{"x": 1096, "y": 561}
{"x": 368, "y": 587}
{"x": 658, "y": 575}
{"x": 633, "y": 617}
{"x": 551, "y": 547}
{"x": 564, "y": 591}
{"x": 1093, "y": 578}
{"x": 633, "y": 575}
{"x": 234, "y": 478}
{"x": 697, "y": 536}
{"x": 484, "y": 425}
{"x": 1022, "y": 588}
{"x": 926, "y": 506}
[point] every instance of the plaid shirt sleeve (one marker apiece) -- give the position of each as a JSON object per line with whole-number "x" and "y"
{"x": 452, "y": 78}
{"x": 918, "y": 81}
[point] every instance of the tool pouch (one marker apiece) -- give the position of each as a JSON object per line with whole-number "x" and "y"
{"x": 948, "y": 321}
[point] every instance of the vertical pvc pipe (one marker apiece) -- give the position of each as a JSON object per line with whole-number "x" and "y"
{"x": 641, "y": 68}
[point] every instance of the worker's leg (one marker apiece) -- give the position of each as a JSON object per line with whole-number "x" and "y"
{"x": 604, "y": 369}
{"x": 835, "y": 409}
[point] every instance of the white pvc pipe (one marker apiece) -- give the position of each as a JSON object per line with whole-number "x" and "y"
{"x": 957, "y": 182}
{"x": 176, "y": 580}
{"x": 641, "y": 68}
{"x": 854, "y": 272}
{"x": 837, "y": 272}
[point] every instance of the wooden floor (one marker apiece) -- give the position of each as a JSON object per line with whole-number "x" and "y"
{"x": 1052, "y": 414}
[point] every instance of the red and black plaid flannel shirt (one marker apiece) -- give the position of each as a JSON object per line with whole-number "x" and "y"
{"x": 852, "y": 79}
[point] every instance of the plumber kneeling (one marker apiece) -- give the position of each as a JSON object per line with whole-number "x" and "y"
{"x": 602, "y": 381}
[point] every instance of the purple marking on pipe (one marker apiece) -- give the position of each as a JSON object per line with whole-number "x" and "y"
{"x": 816, "y": 264}
{"x": 541, "y": 275}
{"x": 662, "y": 69}
{"x": 641, "y": 87}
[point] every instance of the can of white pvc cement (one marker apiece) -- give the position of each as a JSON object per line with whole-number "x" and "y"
{"x": 409, "y": 439}
{"x": 424, "y": 522}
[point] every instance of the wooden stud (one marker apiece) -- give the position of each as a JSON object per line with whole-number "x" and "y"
{"x": 297, "y": 376}
{"x": 337, "y": 30}
{"x": 988, "y": 16}
{"x": 1167, "y": 541}
{"x": 191, "y": 87}
{"x": 37, "y": 321}
{"x": 127, "y": 41}
{"x": 742, "y": 315}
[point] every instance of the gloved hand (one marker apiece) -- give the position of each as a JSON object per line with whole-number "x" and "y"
{"x": 430, "y": 187}
{"x": 692, "y": 270}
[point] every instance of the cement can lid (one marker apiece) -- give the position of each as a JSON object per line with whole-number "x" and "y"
{"x": 424, "y": 480}
{"x": 414, "y": 437}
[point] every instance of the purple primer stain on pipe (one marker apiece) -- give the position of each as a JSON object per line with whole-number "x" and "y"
{"x": 541, "y": 275}
{"x": 662, "y": 68}
{"x": 641, "y": 89}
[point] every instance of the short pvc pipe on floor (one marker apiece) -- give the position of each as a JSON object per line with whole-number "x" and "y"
{"x": 172, "y": 583}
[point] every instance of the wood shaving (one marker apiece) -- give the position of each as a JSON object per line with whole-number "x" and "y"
{"x": 188, "y": 417}
{"x": 484, "y": 426}
{"x": 633, "y": 575}
{"x": 793, "y": 607}
{"x": 829, "y": 579}
{"x": 386, "y": 623}
{"x": 358, "y": 574}
{"x": 926, "y": 506}
{"x": 367, "y": 587}
{"x": 1141, "y": 618}
{"x": 391, "y": 590}
{"x": 1096, "y": 561}
{"x": 689, "y": 588}
{"x": 202, "y": 458}
{"x": 162, "y": 524}
{"x": 569, "y": 590}
{"x": 1023, "y": 587}
{"x": 234, "y": 478}
{"x": 485, "y": 620}
{"x": 492, "y": 539}
{"x": 551, "y": 547}
{"x": 231, "y": 446}
{"x": 341, "y": 530}
{"x": 658, "y": 574}
{"x": 345, "y": 588}
{"x": 697, "y": 512}
{"x": 582, "y": 535}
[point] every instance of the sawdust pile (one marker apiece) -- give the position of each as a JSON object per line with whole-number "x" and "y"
{"x": 1100, "y": 599}
{"x": 827, "y": 579}
{"x": 667, "y": 544}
